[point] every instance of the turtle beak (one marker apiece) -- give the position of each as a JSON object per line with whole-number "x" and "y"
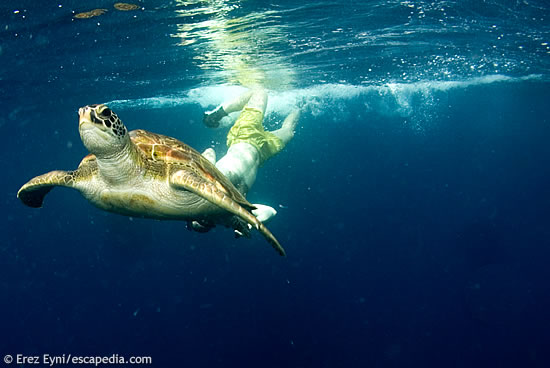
{"x": 84, "y": 115}
{"x": 87, "y": 114}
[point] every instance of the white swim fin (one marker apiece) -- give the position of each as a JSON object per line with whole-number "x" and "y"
{"x": 263, "y": 213}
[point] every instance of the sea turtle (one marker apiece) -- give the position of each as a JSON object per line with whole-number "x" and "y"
{"x": 90, "y": 14}
{"x": 125, "y": 6}
{"x": 144, "y": 174}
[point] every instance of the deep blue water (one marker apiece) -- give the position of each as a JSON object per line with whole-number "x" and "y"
{"x": 413, "y": 202}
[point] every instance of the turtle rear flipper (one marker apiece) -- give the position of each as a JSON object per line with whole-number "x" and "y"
{"x": 33, "y": 192}
{"x": 210, "y": 191}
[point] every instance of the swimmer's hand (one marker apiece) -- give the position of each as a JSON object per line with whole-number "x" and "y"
{"x": 212, "y": 118}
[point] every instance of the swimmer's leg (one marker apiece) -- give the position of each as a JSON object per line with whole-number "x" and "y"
{"x": 210, "y": 155}
{"x": 256, "y": 99}
{"x": 240, "y": 165}
{"x": 286, "y": 132}
{"x": 254, "y": 146}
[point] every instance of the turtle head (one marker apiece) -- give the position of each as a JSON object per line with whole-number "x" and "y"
{"x": 101, "y": 130}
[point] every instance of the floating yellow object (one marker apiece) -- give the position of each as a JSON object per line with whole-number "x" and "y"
{"x": 126, "y": 6}
{"x": 90, "y": 14}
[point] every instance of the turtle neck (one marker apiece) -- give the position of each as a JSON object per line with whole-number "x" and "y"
{"x": 121, "y": 166}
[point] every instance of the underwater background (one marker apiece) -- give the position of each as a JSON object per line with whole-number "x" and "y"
{"x": 413, "y": 202}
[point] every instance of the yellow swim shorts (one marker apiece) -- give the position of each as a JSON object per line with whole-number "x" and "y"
{"x": 249, "y": 129}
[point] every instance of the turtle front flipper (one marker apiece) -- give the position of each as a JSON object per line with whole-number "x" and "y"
{"x": 215, "y": 193}
{"x": 33, "y": 192}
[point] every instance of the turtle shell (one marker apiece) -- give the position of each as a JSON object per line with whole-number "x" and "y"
{"x": 158, "y": 149}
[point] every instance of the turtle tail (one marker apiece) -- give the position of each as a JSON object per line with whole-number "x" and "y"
{"x": 33, "y": 192}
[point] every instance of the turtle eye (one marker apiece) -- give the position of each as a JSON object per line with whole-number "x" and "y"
{"x": 106, "y": 112}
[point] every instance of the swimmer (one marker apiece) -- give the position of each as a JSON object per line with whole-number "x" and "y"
{"x": 249, "y": 144}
